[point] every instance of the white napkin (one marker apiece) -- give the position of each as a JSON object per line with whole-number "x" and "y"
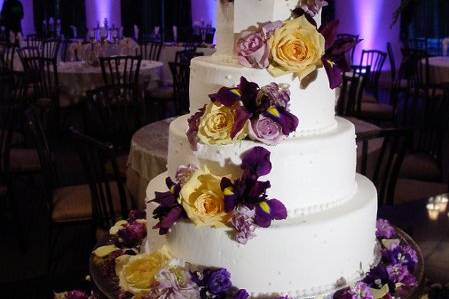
{"x": 175, "y": 33}
{"x": 136, "y": 32}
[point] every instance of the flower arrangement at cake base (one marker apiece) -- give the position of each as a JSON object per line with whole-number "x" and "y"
{"x": 159, "y": 275}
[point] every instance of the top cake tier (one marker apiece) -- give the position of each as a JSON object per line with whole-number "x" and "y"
{"x": 239, "y": 15}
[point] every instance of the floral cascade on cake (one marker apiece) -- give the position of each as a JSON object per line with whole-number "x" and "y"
{"x": 296, "y": 46}
{"x": 209, "y": 200}
{"x": 246, "y": 110}
{"x": 159, "y": 275}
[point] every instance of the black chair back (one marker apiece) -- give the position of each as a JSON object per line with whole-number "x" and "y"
{"x": 389, "y": 160}
{"x": 432, "y": 130}
{"x": 44, "y": 71}
{"x": 393, "y": 68}
{"x": 350, "y": 99}
{"x": 7, "y": 55}
{"x": 34, "y": 41}
{"x": 185, "y": 56}
{"x": 113, "y": 114}
{"x": 375, "y": 59}
{"x": 181, "y": 79}
{"x": 50, "y": 48}
{"x": 35, "y": 130}
{"x": 350, "y": 54}
{"x": 150, "y": 51}
{"x": 121, "y": 71}
{"x": 95, "y": 156}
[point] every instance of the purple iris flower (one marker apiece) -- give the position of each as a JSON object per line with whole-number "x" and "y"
{"x": 256, "y": 162}
{"x": 404, "y": 255}
{"x": 378, "y": 276}
{"x": 400, "y": 274}
{"x": 169, "y": 210}
{"x": 334, "y": 59}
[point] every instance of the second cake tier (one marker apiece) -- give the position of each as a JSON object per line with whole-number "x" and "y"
{"x": 309, "y": 173}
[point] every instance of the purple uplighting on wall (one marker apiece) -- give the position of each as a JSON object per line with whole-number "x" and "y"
{"x": 98, "y": 10}
{"x": 371, "y": 19}
{"x": 204, "y": 11}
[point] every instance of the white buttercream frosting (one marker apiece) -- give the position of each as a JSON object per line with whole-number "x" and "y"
{"x": 302, "y": 256}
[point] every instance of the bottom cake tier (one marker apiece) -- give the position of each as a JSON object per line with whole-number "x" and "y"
{"x": 303, "y": 256}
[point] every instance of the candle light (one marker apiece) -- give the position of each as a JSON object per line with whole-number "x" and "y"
{"x": 441, "y": 201}
{"x": 433, "y": 211}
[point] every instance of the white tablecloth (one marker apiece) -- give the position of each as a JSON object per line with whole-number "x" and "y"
{"x": 439, "y": 69}
{"x": 168, "y": 54}
{"x": 75, "y": 78}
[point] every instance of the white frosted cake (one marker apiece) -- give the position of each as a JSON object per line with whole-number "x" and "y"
{"x": 328, "y": 237}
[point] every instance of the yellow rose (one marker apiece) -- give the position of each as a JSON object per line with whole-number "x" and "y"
{"x": 137, "y": 273}
{"x": 296, "y": 47}
{"x": 216, "y": 125}
{"x": 203, "y": 200}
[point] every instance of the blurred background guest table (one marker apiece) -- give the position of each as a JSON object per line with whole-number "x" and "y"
{"x": 439, "y": 69}
{"x": 149, "y": 147}
{"x": 168, "y": 54}
{"x": 76, "y": 77}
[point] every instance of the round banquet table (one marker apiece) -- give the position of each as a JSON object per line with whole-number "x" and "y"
{"x": 148, "y": 154}
{"x": 77, "y": 77}
{"x": 439, "y": 69}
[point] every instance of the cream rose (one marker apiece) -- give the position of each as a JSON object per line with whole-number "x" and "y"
{"x": 203, "y": 200}
{"x": 296, "y": 47}
{"x": 137, "y": 273}
{"x": 216, "y": 125}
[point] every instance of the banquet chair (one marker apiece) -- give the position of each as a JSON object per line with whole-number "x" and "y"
{"x": 7, "y": 55}
{"x": 181, "y": 78}
{"x": 113, "y": 114}
{"x": 150, "y": 50}
{"x": 50, "y": 48}
{"x": 210, "y": 34}
{"x": 375, "y": 59}
{"x": 121, "y": 71}
{"x": 384, "y": 169}
{"x": 96, "y": 204}
{"x": 350, "y": 99}
{"x": 425, "y": 159}
{"x": 29, "y": 79}
{"x": 349, "y": 55}
{"x": 185, "y": 56}
{"x": 33, "y": 40}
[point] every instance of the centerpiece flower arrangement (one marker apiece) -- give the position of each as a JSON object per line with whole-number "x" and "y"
{"x": 209, "y": 200}
{"x": 262, "y": 114}
{"x": 296, "y": 46}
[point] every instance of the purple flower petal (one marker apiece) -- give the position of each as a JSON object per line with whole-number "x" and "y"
{"x": 329, "y": 31}
{"x": 256, "y": 161}
{"x": 169, "y": 220}
{"x": 241, "y": 294}
{"x": 241, "y": 117}
{"x": 218, "y": 281}
{"x": 230, "y": 198}
{"x": 226, "y": 96}
{"x": 194, "y": 123}
{"x": 249, "y": 92}
{"x": 263, "y": 216}
{"x": 287, "y": 120}
{"x": 278, "y": 210}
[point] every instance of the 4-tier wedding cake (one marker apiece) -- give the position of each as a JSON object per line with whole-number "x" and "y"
{"x": 261, "y": 175}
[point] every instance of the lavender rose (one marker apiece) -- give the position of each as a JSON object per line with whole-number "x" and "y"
{"x": 265, "y": 130}
{"x": 252, "y": 49}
